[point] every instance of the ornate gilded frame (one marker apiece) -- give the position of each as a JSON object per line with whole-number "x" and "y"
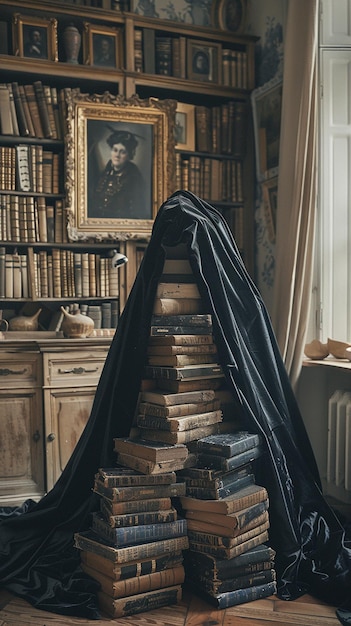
{"x": 47, "y": 27}
{"x": 107, "y": 110}
{"x": 92, "y": 35}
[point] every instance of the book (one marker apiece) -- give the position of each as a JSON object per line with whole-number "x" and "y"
{"x": 176, "y": 424}
{"x": 208, "y": 493}
{"x": 138, "y": 584}
{"x": 126, "y": 477}
{"x": 149, "y": 450}
{"x": 178, "y": 290}
{"x": 237, "y": 596}
{"x": 178, "y": 330}
{"x": 136, "y": 519}
{"x": 116, "y": 494}
{"x": 163, "y": 55}
{"x": 166, "y": 400}
{"x": 177, "y": 266}
{"x": 182, "y": 436}
{"x": 121, "y": 607}
{"x": 228, "y": 444}
{"x": 232, "y": 521}
{"x": 181, "y": 359}
{"x": 259, "y": 558}
{"x": 183, "y": 320}
{"x": 224, "y": 531}
{"x": 212, "y": 479}
{"x": 192, "y": 349}
{"x": 132, "y": 569}
{"x": 143, "y": 533}
{"x": 21, "y": 118}
{"x": 227, "y": 464}
{"x": 222, "y": 552}
{"x": 6, "y": 124}
{"x": 182, "y": 386}
{"x": 130, "y": 507}
{"x": 148, "y": 46}
{"x": 177, "y": 410}
{"x": 91, "y": 542}
{"x": 205, "y": 370}
{"x": 34, "y": 110}
{"x": 211, "y": 538}
{"x": 150, "y": 467}
{"x": 181, "y": 340}
{"x": 43, "y": 109}
{"x": 177, "y": 306}
{"x": 246, "y": 497}
{"x": 242, "y": 581}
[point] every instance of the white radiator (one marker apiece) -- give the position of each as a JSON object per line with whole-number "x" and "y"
{"x": 339, "y": 446}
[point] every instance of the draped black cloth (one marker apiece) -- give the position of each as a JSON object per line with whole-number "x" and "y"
{"x": 37, "y": 559}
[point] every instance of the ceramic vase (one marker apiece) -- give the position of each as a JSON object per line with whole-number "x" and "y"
{"x": 71, "y": 43}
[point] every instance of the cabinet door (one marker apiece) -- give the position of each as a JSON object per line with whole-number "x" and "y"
{"x": 66, "y": 413}
{"x": 21, "y": 429}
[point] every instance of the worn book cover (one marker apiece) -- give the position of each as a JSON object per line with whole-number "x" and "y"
{"x": 210, "y": 537}
{"x": 151, "y": 467}
{"x": 143, "y": 533}
{"x": 130, "y": 570}
{"x": 138, "y": 492}
{"x": 212, "y": 479}
{"x": 223, "y": 552}
{"x": 127, "y": 477}
{"x": 181, "y": 359}
{"x": 256, "y": 559}
{"x": 203, "y": 526}
{"x": 248, "y": 496}
{"x": 207, "y": 493}
{"x": 92, "y": 542}
{"x": 224, "y": 464}
{"x": 181, "y": 340}
{"x": 163, "y": 399}
{"x": 184, "y": 409}
{"x": 129, "y": 507}
{"x": 231, "y": 521}
{"x": 189, "y": 319}
{"x": 176, "y": 306}
{"x": 159, "y": 330}
{"x": 181, "y": 386}
{"x": 203, "y": 349}
{"x": 136, "y": 519}
{"x": 150, "y": 450}
{"x": 177, "y": 424}
{"x": 229, "y": 444}
{"x": 139, "y": 584}
{"x": 182, "y": 436}
{"x": 237, "y": 596}
{"x": 242, "y": 581}
{"x": 140, "y": 602}
{"x": 187, "y": 372}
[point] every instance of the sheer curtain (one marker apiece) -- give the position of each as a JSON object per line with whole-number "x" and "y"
{"x": 297, "y": 184}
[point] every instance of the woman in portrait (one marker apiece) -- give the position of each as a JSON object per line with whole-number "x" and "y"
{"x": 120, "y": 190}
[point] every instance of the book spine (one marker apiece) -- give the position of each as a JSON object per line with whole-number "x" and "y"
{"x": 222, "y": 552}
{"x": 133, "y": 480}
{"x": 130, "y": 570}
{"x": 132, "y": 493}
{"x": 149, "y": 467}
{"x": 43, "y": 109}
{"x": 138, "y": 534}
{"x": 139, "y": 584}
{"x": 130, "y": 507}
{"x": 182, "y": 320}
{"x": 140, "y": 602}
{"x": 34, "y": 110}
{"x": 216, "y": 482}
{"x": 177, "y": 306}
{"x": 203, "y": 493}
{"x": 248, "y": 594}
{"x": 177, "y": 410}
{"x": 181, "y": 373}
{"x": 179, "y": 330}
{"x": 179, "y": 425}
{"x": 228, "y": 464}
{"x": 233, "y": 584}
{"x": 132, "y": 553}
{"x": 137, "y": 519}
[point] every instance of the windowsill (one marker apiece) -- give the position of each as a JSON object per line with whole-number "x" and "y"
{"x": 329, "y": 361}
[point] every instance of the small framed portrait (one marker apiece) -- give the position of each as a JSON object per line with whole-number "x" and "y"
{"x": 184, "y": 130}
{"x": 203, "y": 60}
{"x": 270, "y": 197}
{"x": 231, "y": 15}
{"x": 34, "y": 37}
{"x": 121, "y": 166}
{"x": 101, "y": 46}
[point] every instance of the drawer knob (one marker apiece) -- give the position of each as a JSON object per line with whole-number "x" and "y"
{"x": 51, "y": 437}
{"x": 78, "y": 370}
{"x": 5, "y": 371}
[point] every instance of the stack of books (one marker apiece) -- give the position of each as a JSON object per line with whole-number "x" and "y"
{"x": 134, "y": 547}
{"x": 228, "y": 522}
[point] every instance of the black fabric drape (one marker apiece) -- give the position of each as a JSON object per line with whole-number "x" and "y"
{"x": 37, "y": 557}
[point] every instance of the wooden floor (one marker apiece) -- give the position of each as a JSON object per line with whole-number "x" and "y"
{"x": 192, "y": 611}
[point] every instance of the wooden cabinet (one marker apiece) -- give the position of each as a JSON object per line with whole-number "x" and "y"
{"x": 47, "y": 390}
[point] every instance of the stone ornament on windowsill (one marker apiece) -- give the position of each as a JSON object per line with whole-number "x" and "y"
{"x": 316, "y": 350}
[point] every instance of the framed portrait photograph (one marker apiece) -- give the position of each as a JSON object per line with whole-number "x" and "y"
{"x": 34, "y": 37}
{"x": 266, "y": 107}
{"x": 101, "y": 46}
{"x": 231, "y": 15}
{"x": 120, "y": 164}
{"x": 203, "y": 60}
{"x": 184, "y": 129}
{"x": 270, "y": 197}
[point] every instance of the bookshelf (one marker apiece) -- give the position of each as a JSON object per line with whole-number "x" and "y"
{"x": 41, "y": 259}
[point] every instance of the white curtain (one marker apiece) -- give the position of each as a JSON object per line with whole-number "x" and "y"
{"x": 297, "y": 184}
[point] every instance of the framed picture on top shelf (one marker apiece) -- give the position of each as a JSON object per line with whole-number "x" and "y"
{"x": 203, "y": 60}
{"x": 101, "y": 46}
{"x": 266, "y": 108}
{"x": 270, "y": 197}
{"x": 184, "y": 129}
{"x": 230, "y": 15}
{"x": 121, "y": 164}
{"x": 34, "y": 37}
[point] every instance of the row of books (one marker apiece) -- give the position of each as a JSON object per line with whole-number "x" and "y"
{"x": 31, "y": 219}
{"x": 175, "y": 56}
{"x": 59, "y": 273}
{"x": 222, "y": 129}
{"x": 33, "y": 110}
{"x": 212, "y": 179}
{"x": 29, "y": 168}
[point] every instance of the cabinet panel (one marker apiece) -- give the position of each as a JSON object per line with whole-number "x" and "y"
{"x": 66, "y": 414}
{"x": 21, "y": 446}
{"x": 16, "y": 371}
{"x": 73, "y": 368}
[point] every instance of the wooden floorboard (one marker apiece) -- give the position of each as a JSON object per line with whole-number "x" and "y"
{"x": 191, "y": 611}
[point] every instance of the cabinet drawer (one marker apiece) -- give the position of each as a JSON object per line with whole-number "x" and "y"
{"x": 73, "y": 369}
{"x": 19, "y": 370}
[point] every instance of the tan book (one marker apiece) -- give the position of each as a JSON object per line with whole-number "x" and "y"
{"x": 43, "y": 109}
{"x": 6, "y": 124}
{"x": 181, "y": 386}
{"x": 17, "y": 276}
{"x": 56, "y": 270}
{"x": 177, "y": 410}
{"x": 233, "y": 521}
{"x": 57, "y": 114}
{"x": 9, "y": 275}
{"x": 180, "y": 340}
{"x": 131, "y": 605}
{"x": 138, "y": 492}
{"x": 150, "y": 451}
{"x": 170, "y": 429}
{"x": 131, "y": 507}
{"x": 176, "y": 435}
{"x": 58, "y": 221}
{"x": 202, "y": 349}
{"x": 90, "y": 541}
{"x": 13, "y": 111}
{"x": 132, "y": 569}
{"x": 135, "y": 519}
{"x": 34, "y": 110}
{"x": 224, "y": 531}
{"x": 177, "y": 290}
{"x": 44, "y": 280}
{"x": 42, "y": 222}
{"x": 150, "y": 467}
{"x": 138, "y": 584}
{"x": 181, "y": 359}
{"x": 158, "y": 397}
{"x": 47, "y": 171}
{"x": 248, "y": 496}
{"x": 176, "y": 306}
{"x": 21, "y": 116}
{"x": 221, "y": 552}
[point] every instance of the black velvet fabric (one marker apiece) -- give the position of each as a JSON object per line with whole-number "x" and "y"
{"x": 37, "y": 557}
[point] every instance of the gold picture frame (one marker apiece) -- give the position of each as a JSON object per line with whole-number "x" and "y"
{"x": 100, "y": 201}
{"x": 185, "y": 127}
{"x": 34, "y": 37}
{"x": 203, "y": 60}
{"x": 102, "y": 46}
{"x": 230, "y": 15}
{"x": 270, "y": 197}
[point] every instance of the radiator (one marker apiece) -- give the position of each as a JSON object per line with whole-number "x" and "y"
{"x": 339, "y": 446}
